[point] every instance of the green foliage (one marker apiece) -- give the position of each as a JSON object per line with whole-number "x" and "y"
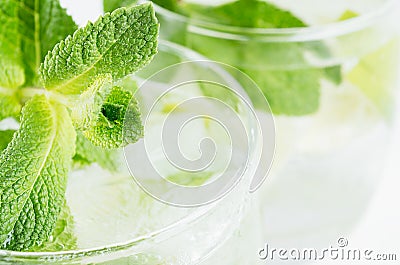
{"x": 293, "y": 92}
{"x": 281, "y": 69}
{"x": 111, "y": 5}
{"x": 28, "y": 30}
{"x": 63, "y": 237}
{"x": 88, "y": 106}
{"x": 5, "y": 138}
{"x": 78, "y": 74}
{"x": 243, "y": 13}
{"x": 33, "y": 174}
{"x": 9, "y": 104}
{"x": 87, "y": 154}
{"x": 119, "y": 44}
{"x": 119, "y": 112}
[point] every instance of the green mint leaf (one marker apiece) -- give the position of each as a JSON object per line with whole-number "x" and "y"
{"x": 100, "y": 113}
{"x": 9, "y": 103}
{"x": 5, "y": 138}
{"x": 63, "y": 236}
{"x": 290, "y": 91}
{"x": 86, "y": 108}
{"x": 11, "y": 75}
{"x": 87, "y": 154}
{"x": 43, "y": 23}
{"x": 173, "y": 5}
{"x": 28, "y": 30}
{"x": 12, "y": 69}
{"x": 111, "y": 5}
{"x": 108, "y": 131}
{"x": 267, "y": 63}
{"x": 244, "y": 13}
{"x": 293, "y": 92}
{"x": 33, "y": 174}
{"x": 119, "y": 43}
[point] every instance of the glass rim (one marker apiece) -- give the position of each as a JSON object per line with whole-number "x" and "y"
{"x": 72, "y": 255}
{"x": 174, "y": 227}
{"x": 295, "y": 34}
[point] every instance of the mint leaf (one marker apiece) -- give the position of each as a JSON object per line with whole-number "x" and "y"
{"x": 293, "y": 91}
{"x": 111, "y": 5}
{"x": 173, "y": 5}
{"x": 33, "y": 174}
{"x": 11, "y": 75}
{"x": 28, "y": 29}
{"x": 63, "y": 237}
{"x": 100, "y": 113}
{"x": 12, "y": 69}
{"x": 87, "y": 154}
{"x": 5, "y": 138}
{"x": 43, "y": 23}
{"x": 118, "y": 43}
{"x": 243, "y": 13}
{"x": 9, "y": 103}
{"x": 108, "y": 131}
{"x": 87, "y": 107}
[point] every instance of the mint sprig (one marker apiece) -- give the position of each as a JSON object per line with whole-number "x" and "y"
{"x": 28, "y": 29}
{"x": 70, "y": 93}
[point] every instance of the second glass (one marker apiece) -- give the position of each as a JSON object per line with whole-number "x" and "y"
{"x": 332, "y": 88}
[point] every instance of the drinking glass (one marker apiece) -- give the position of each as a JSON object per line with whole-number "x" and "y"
{"x": 333, "y": 89}
{"x": 118, "y": 222}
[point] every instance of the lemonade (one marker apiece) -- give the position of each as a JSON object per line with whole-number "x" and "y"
{"x": 329, "y": 71}
{"x": 329, "y": 76}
